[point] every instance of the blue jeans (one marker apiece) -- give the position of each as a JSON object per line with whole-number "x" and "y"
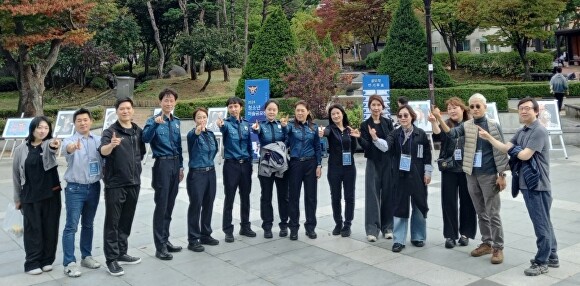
{"x": 418, "y": 227}
{"x": 538, "y": 204}
{"x": 80, "y": 200}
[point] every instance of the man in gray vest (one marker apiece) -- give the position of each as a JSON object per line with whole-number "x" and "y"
{"x": 484, "y": 166}
{"x": 530, "y": 145}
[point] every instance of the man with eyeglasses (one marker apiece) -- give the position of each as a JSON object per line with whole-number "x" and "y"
{"x": 484, "y": 166}
{"x": 530, "y": 145}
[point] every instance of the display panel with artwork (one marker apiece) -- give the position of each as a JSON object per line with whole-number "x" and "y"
{"x": 16, "y": 128}
{"x": 491, "y": 112}
{"x": 422, "y": 109}
{"x": 548, "y": 115}
{"x": 110, "y": 117}
{"x": 213, "y": 114}
{"x": 64, "y": 126}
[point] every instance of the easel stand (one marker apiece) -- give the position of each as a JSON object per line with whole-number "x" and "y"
{"x": 559, "y": 133}
{"x": 6, "y": 144}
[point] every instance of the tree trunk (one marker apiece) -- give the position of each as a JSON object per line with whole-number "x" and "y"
{"x": 130, "y": 61}
{"x": 193, "y": 72}
{"x": 226, "y": 72}
{"x": 208, "y": 79}
{"x": 233, "y": 19}
{"x": 521, "y": 47}
{"x": 246, "y": 44}
{"x": 157, "y": 41}
{"x": 264, "y": 10}
{"x": 224, "y": 14}
{"x": 31, "y": 92}
{"x": 201, "y": 67}
{"x": 183, "y": 6}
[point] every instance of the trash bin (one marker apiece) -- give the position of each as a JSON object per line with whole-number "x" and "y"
{"x": 125, "y": 86}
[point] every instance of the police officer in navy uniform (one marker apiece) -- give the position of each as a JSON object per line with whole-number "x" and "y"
{"x": 237, "y": 170}
{"x": 162, "y": 133}
{"x": 305, "y": 167}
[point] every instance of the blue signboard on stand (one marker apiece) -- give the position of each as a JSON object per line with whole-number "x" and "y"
{"x": 257, "y": 92}
{"x": 379, "y": 85}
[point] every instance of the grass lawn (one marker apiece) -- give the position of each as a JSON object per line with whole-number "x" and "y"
{"x": 189, "y": 89}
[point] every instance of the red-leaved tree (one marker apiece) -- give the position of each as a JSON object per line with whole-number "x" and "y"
{"x": 31, "y": 35}
{"x": 311, "y": 78}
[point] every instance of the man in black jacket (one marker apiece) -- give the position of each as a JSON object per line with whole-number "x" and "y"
{"x": 123, "y": 149}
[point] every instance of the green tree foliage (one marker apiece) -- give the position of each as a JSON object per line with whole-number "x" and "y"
{"x": 122, "y": 35}
{"x": 273, "y": 45}
{"x": 404, "y": 58}
{"x": 519, "y": 21}
{"x": 311, "y": 77}
{"x": 328, "y": 47}
{"x": 366, "y": 19}
{"x": 304, "y": 34}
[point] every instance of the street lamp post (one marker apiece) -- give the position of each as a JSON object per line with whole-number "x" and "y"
{"x": 429, "y": 50}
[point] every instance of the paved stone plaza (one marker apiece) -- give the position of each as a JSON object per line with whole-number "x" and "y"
{"x": 328, "y": 260}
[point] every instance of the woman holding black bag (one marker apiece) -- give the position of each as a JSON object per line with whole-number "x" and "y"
{"x": 458, "y": 222}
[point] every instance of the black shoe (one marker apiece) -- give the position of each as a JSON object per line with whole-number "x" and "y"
{"x": 247, "y": 231}
{"x": 463, "y": 240}
{"x": 336, "y": 230}
{"x": 114, "y": 269}
{"x": 311, "y": 234}
{"x": 554, "y": 263}
{"x": 163, "y": 255}
{"x": 172, "y": 248}
{"x": 294, "y": 235}
{"x": 449, "y": 243}
{"x": 196, "y": 247}
{"x": 345, "y": 231}
{"x": 229, "y": 237}
{"x": 208, "y": 240}
{"x": 268, "y": 234}
{"x": 127, "y": 259}
{"x": 418, "y": 243}
{"x": 283, "y": 232}
{"x": 397, "y": 247}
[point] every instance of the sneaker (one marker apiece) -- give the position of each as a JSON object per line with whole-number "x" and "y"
{"x": 311, "y": 234}
{"x": 397, "y": 247}
{"x": 497, "y": 256}
{"x": 463, "y": 240}
{"x": 449, "y": 243}
{"x": 196, "y": 247}
{"x": 337, "y": 229}
{"x": 208, "y": 240}
{"x": 481, "y": 249}
{"x": 283, "y": 232}
{"x": 34, "y": 271}
{"x": 388, "y": 235}
{"x": 293, "y": 234}
{"x": 127, "y": 259}
{"x": 536, "y": 269}
{"x": 114, "y": 268}
{"x": 90, "y": 262}
{"x": 345, "y": 231}
{"x": 247, "y": 231}
{"x": 72, "y": 270}
{"x": 46, "y": 268}
{"x": 268, "y": 233}
{"x": 229, "y": 237}
{"x": 554, "y": 263}
{"x": 371, "y": 238}
{"x": 418, "y": 243}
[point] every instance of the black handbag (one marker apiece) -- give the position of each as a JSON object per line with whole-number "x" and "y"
{"x": 445, "y": 164}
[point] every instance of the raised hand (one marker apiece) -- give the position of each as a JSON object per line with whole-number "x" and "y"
{"x": 320, "y": 131}
{"x": 200, "y": 128}
{"x": 219, "y": 122}
{"x": 159, "y": 119}
{"x": 435, "y": 112}
{"x": 483, "y": 134}
{"x": 432, "y": 118}
{"x": 115, "y": 141}
{"x": 284, "y": 121}
{"x": 373, "y": 133}
{"x": 256, "y": 126}
{"x": 55, "y": 143}
{"x": 354, "y": 132}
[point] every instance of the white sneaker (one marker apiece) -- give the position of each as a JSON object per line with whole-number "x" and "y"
{"x": 371, "y": 238}
{"x": 35, "y": 271}
{"x": 72, "y": 270}
{"x": 47, "y": 268}
{"x": 388, "y": 235}
{"x": 90, "y": 262}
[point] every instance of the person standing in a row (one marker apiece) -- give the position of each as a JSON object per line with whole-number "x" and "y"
{"x": 378, "y": 173}
{"x": 123, "y": 148}
{"x": 305, "y": 167}
{"x": 341, "y": 167}
{"x": 273, "y": 131}
{"x": 202, "y": 147}
{"x": 162, "y": 133}
{"x": 37, "y": 194}
{"x": 237, "y": 169}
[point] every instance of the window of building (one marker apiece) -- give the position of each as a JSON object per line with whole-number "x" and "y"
{"x": 466, "y": 46}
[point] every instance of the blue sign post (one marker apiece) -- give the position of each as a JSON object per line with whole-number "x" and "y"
{"x": 379, "y": 85}
{"x": 257, "y": 92}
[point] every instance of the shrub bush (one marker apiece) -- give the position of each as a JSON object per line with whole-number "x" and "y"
{"x": 184, "y": 109}
{"x": 8, "y": 83}
{"x": 99, "y": 83}
{"x": 373, "y": 60}
{"x": 443, "y": 58}
{"x": 503, "y": 64}
{"x": 121, "y": 67}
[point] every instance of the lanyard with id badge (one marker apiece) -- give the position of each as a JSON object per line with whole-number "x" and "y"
{"x": 477, "y": 159}
{"x": 457, "y": 152}
{"x": 405, "y": 162}
{"x": 94, "y": 163}
{"x": 346, "y": 155}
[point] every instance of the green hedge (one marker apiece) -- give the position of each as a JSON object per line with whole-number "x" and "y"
{"x": 532, "y": 89}
{"x": 373, "y": 60}
{"x": 497, "y": 94}
{"x": 184, "y": 109}
{"x": 8, "y": 83}
{"x": 503, "y": 64}
{"x": 443, "y": 58}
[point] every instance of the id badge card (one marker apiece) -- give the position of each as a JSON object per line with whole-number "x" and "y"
{"x": 457, "y": 155}
{"x": 346, "y": 159}
{"x": 405, "y": 163}
{"x": 477, "y": 159}
{"x": 94, "y": 168}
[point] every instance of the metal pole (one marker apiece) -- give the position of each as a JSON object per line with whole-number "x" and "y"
{"x": 429, "y": 51}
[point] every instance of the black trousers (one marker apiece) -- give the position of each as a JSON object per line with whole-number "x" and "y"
{"x": 266, "y": 210}
{"x": 378, "y": 198}
{"x": 201, "y": 189}
{"x": 41, "y": 220}
{"x": 302, "y": 172}
{"x": 560, "y": 97}
{"x": 457, "y": 220}
{"x": 120, "y": 205}
{"x": 165, "y": 182}
{"x": 236, "y": 175}
{"x": 340, "y": 177}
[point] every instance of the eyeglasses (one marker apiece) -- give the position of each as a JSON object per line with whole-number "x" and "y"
{"x": 525, "y": 108}
{"x": 406, "y": 115}
{"x": 474, "y": 106}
